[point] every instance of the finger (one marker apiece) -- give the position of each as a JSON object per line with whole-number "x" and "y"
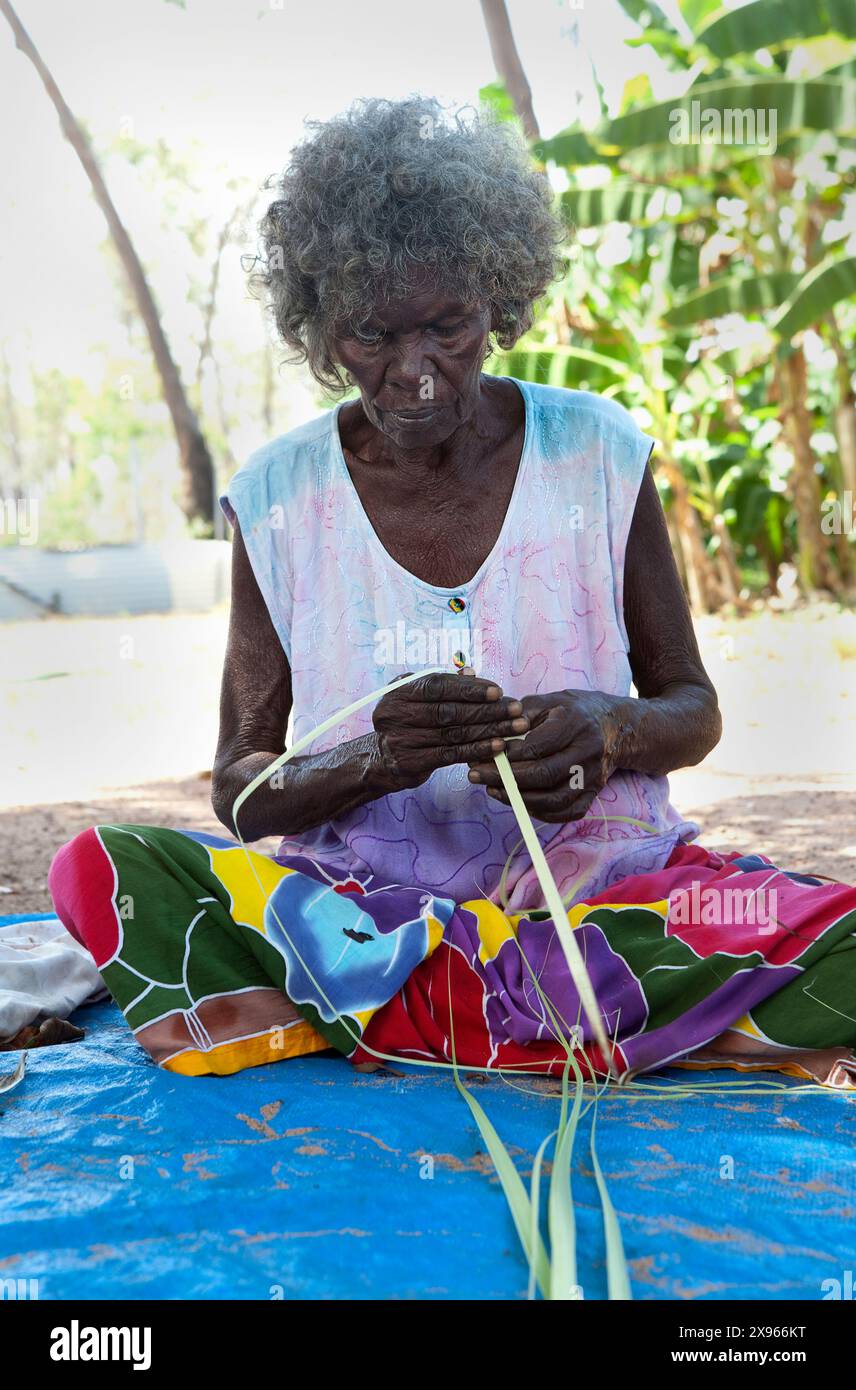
{"x": 459, "y": 734}
{"x": 486, "y": 774}
{"x": 457, "y": 686}
{"x": 547, "y": 736}
{"x": 467, "y": 752}
{"x": 449, "y": 714}
{"x": 545, "y": 775}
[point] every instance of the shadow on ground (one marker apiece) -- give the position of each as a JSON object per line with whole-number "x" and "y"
{"x": 794, "y": 827}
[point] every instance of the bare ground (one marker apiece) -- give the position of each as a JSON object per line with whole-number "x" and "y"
{"x": 96, "y": 713}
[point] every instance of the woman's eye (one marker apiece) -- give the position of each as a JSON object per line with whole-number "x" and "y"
{"x": 447, "y": 330}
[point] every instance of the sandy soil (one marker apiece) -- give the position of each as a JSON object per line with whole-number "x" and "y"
{"x": 116, "y": 720}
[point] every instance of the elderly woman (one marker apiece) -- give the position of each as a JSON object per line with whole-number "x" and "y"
{"x": 505, "y": 543}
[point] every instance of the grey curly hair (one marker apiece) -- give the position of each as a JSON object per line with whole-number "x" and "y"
{"x": 391, "y": 186}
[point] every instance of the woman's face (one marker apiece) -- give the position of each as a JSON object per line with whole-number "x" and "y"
{"x": 417, "y": 364}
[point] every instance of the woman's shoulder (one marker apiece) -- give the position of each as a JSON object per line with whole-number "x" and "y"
{"x": 282, "y": 462}
{"x": 593, "y": 435}
{"x": 583, "y": 409}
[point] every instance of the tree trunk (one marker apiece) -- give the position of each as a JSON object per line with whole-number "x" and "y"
{"x": 197, "y": 473}
{"x": 677, "y": 548}
{"x": 845, "y": 411}
{"x": 703, "y": 588}
{"x": 813, "y": 560}
{"x": 729, "y": 570}
{"x": 508, "y": 66}
{"x": 845, "y": 428}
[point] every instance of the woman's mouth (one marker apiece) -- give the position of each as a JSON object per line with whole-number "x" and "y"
{"x": 411, "y": 419}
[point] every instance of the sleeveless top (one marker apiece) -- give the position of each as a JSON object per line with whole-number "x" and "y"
{"x": 543, "y": 613}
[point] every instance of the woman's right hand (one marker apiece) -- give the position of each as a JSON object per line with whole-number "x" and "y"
{"x": 439, "y": 720}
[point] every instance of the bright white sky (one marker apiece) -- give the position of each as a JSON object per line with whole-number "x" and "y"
{"x": 238, "y": 76}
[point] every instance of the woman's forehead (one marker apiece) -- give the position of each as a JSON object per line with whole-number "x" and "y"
{"x": 421, "y": 304}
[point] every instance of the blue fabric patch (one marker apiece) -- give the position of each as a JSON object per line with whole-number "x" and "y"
{"x": 752, "y": 863}
{"x": 304, "y": 1179}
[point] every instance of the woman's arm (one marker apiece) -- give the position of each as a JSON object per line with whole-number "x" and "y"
{"x": 435, "y": 721}
{"x": 676, "y": 721}
{"x": 255, "y": 702}
{"x": 579, "y": 738}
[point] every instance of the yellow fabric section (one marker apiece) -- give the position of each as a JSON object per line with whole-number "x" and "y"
{"x": 494, "y": 927}
{"x": 748, "y": 1028}
{"x": 661, "y": 907}
{"x": 234, "y": 868}
{"x": 230, "y": 1057}
{"x": 435, "y": 934}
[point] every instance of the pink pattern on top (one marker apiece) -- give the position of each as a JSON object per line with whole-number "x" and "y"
{"x": 544, "y": 612}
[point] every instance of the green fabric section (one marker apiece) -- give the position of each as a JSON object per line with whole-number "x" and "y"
{"x": 672, "y": 976}
{"x": 818, "y": 1009}
{"x": 170, "y": 938}
{"x": 335, "y": 1032}
{"x": 177, "y": 950}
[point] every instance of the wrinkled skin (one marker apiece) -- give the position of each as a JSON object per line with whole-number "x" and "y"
{"x": 440, "y": 720}
{"x": 427, "y": 480}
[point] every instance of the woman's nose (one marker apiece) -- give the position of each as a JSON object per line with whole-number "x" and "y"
{"x": 410, "y": 367}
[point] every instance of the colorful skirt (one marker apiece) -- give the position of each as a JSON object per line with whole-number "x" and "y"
{"x": 222, "y": 958}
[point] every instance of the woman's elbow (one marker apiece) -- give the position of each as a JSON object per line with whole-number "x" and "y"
{"x": 708, "y": 722}
{"x": 222, "y": 801}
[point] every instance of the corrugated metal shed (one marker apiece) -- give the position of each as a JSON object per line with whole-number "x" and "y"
{"x": 181, "y": 575}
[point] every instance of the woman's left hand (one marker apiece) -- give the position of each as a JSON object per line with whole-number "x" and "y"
{"x": 569, "y": 754}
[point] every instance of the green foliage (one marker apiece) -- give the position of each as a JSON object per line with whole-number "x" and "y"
{"x": 696, "y": 269}
{"x": 772, "y": 23}
{"x": 495, "y": 96}
{"x": 741, "y": 294}
{"x": 821, "y": 104}
{"x": 707, "y": 245}
{"x": 646, "y": 14}
{"x": 817, "y": 292}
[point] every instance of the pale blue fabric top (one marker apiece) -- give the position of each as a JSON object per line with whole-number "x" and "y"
{"x": 543, "y": 613}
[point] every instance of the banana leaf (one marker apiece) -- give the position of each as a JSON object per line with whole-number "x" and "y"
{"x": 771, "y": 23}
{"x": 624, "y": 201}
{"x": 823, "y": 103}
{"x": 646, "y": 14}
{"x": 745, "y": 294}
{"x": 815, "y": 295}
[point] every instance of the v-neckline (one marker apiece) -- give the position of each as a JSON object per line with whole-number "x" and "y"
{"x": 375, "y": 540}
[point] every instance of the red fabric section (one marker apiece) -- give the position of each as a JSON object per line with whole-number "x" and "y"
{"x": 709, "y": 895}
{"x": 416, "y": 1023}
{"x": 81, "y": 881}
{"x": 791, "y": 918}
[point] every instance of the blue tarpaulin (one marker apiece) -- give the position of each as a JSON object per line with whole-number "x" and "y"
{"x": 304, "y": 1179}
